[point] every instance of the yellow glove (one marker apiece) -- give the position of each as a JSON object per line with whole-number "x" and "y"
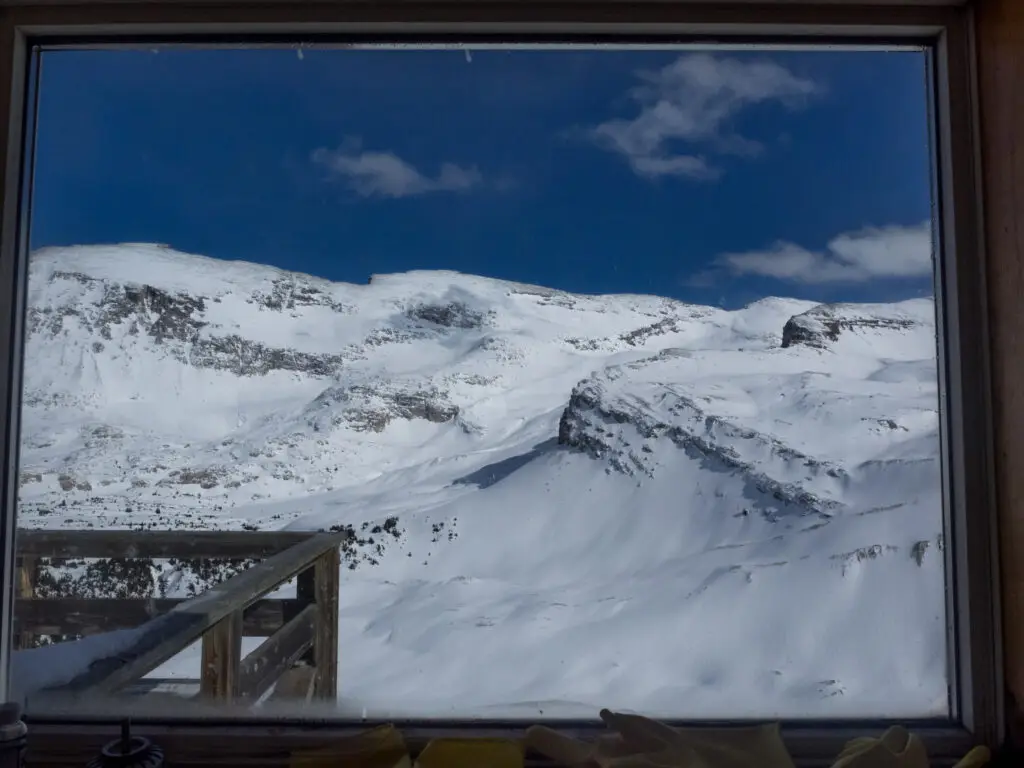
{"x": 381, "y": 747}
{"x": 895, "y": 749}
{"x": 640, "y": 742}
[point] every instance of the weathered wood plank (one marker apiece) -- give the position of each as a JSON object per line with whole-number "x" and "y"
{"x": 325, "y": 644}
{"x": 305, "y": 594}
{"x": 276, "y": 655}
{"x": 25, "y": 588}
{"x": 227, "y": 745}
{"x": 222, "y": 655}
{"x": 185, "y": 688}
{"x": 184, "y": 544}
{"x": 91, "y": 616}
{"x": 296, "y": 684}
{"x": 165, "y": 636}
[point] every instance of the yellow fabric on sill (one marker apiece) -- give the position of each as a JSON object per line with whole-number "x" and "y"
{"x": 639, "y": 742}
{"x": 634, "y": 742}
{"x": 381, "y": 747}
{"x": 471, "y": 753}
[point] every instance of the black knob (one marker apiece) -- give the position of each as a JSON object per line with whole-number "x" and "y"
{"x": 129, "y": 752}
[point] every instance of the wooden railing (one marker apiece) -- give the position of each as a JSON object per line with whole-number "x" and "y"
{"x": 303, "y": 628}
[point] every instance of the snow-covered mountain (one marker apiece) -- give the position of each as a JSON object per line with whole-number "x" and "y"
{"x": 558, "y": 502}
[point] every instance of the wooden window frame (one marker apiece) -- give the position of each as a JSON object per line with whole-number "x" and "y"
{"x": 946, "y": 27}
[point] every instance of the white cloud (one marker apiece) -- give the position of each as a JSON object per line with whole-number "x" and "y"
{"x": 385, "y": 174}
{"x": 873, "y": 252}
{"x": 692, "y": 101}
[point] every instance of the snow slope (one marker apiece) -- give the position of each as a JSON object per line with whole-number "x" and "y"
{"x": 559, "y": 502}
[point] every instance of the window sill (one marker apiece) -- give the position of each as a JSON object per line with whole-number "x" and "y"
{"x": 272, "y": 742}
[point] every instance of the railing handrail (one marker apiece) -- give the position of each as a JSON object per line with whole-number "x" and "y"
{"x": 84, "y": 616}
{"x": 164, "y": 637}
{"x": 127, "y": 543}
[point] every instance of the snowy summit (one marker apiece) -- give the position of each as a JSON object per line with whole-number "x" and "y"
{"x": 559, "y": 502}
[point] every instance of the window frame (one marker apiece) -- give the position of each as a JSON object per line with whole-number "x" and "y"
{"x": 971, "y": 553}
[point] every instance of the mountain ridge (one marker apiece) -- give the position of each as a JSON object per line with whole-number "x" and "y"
{"x": 559, "y": 447}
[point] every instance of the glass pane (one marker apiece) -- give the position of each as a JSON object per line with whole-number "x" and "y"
{"x": 613, "y": 372}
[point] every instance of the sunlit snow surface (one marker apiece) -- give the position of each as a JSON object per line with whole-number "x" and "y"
{"x": 619, "y": 501}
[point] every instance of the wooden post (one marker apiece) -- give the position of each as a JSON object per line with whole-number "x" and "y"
{"x": 222, "y": 655}
{"x": 25, "y": 589}
{"x": 325, "y": 640}
{"x": 305, "y": 594}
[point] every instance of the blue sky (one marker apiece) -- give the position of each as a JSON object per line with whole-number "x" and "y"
{"x": 716, "y": 177}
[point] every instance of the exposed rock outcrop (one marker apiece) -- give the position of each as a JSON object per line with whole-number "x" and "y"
{"x": 608, "y": 426}
{"x": 824, "y": 323}
{"x": 454, "y": 314}
{"x": 175, "y": 321}
{"x": 367, "y": 408}
{"x": 287, "y": 293}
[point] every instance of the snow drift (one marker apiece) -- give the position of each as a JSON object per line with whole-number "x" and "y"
{"x": 558, "y": 502}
